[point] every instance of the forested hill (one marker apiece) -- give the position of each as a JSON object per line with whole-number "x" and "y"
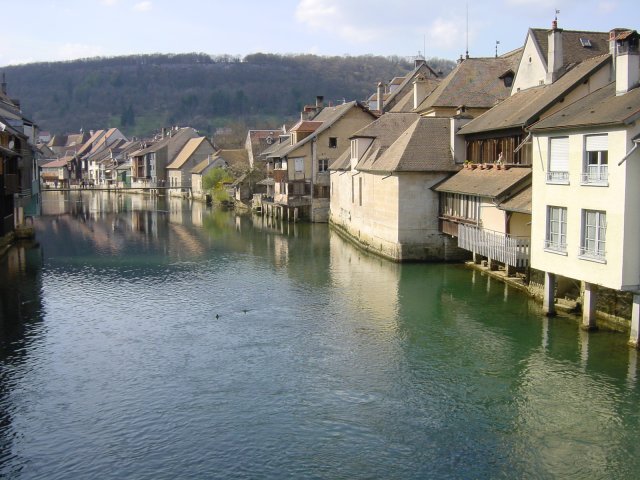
{"x": 141, "y": 93}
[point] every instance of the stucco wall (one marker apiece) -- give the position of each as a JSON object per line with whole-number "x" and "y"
{"x": 520, "y": 224}
{"x": 398, "y": 217}
{"x": 531, "y": 70}
{"x": 619, "y": 200}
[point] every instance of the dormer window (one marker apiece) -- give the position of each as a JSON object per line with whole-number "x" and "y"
{"x": 585, "y": 42}
{"x": 507, "y": 78}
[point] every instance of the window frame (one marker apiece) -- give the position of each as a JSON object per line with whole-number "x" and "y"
{"x": 595, "y": 232}
{"x": 553, "y": 241}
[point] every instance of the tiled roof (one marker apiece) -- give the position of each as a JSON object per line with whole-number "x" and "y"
{"x": 328, "y": 116}
{"x": 237, "y": 159}
{"x": 306, "y": 126}
{"x": 406, "y": 142}
{"x": 174, "y": 143}
{"x": 57, "y": 163}
{"x": 491, "y": 182}
{"x": 202, "y": 166}
{"x": 599, "y": 108}
{"x": 189, "y": 149}
{"x": 520, "y": 202}
{"x": 524, "y": 107}
{"x": 475, "y": 83}
{"x": 343, "y": 162}
{"x": 572, "y": 49}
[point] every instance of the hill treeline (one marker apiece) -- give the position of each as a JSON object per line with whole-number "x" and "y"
{"x": 141, "y": 93}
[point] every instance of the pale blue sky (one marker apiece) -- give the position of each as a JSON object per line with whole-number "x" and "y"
{"x": 45, "y": 30}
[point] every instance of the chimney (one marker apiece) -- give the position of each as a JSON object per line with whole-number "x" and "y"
{"x": 554, "y": 53}
{"x": 419, "y": 61}
{"x": 627, "y": 61}
{"x": 457, "y": 142}
{"x": 380, "y": 96}
{"x": 419, "y": 90}
{"x": 164, "y": 132}
{"x": 4, "y": 84}
{"x": 319, "y": 102}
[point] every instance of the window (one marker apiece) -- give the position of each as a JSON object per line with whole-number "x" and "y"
{"x": 594, "y": 229}
{"x": 333, "y": 142}
{"x": 558, "y": 171}
{"x": 360, "y": 191}
{"x": 354, "y": 149}
{"x": 596, "y": 162}
{"x": 556, "y": 238}
{"x": 323, "y": 165}
{"x": 299, "y": 164}
{"x": 353, "y": 196}
{"x": 461, "y": 206}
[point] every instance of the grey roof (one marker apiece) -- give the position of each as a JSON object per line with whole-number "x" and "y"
{"x": 572, "y": 49}
{"x": 600, "y": 108}
{"x": 276, "y": 150}
{"x": 475, "y": 82}
{"x": 423, "y": 145}
{"x": 175, "y": 142}
{"x": 491, "y": 182}
{"x": 343, "y": 162}
{"x": 526, "y": 106}
{"x": 520, "y": 202}
{"x": 328, "y": 116}
{"x": 406, "y": 85}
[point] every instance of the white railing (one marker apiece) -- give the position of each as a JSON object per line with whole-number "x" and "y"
{"x": 558, "y": 177}
{"x": 497, "y": 246}
{"x": 596, "y": 175}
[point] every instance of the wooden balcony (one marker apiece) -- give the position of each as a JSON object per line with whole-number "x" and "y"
{"x": 498, "y": 246}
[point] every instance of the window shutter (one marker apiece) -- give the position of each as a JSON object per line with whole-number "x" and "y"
{"x": 559, "y": 157}
{"x": 597, "y": 143}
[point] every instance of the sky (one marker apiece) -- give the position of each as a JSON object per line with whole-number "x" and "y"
{"x": 45, "y": 30}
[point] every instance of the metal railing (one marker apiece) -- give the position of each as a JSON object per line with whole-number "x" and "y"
{"x": 558, "y": 177}
{"x": 596, "y": 175}
{"x": 555, "y": 246}
{"x": 498, "y": 246}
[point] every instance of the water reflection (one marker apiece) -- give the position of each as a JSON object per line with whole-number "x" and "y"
{"x": 165, "y": 338}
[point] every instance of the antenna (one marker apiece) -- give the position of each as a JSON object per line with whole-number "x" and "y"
{"x": 424, "y": 45}
{"x": 497, "y": 43}
{"x": 467, "y": 51}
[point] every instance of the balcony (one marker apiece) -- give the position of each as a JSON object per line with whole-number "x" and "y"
{"x": 558, "y": 178}
{"x": 596, "y": 175}
{"x": 498, "y": 246}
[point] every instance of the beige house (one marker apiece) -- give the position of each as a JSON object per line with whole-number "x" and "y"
{"x": 586, "y": 171}
{"x": 381, "y": 189}
{"x": 301, "y": 165}
{"x": 179, "y": 171}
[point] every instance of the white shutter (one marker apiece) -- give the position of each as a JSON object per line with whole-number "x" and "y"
{"x": 597, "y": 143}
{"x": 299, "y": 165}
{"x": 559, "y": 154}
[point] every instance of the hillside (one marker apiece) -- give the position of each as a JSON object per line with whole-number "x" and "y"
{"x": 141, "y": 93}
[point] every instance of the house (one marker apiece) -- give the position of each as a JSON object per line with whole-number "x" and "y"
{"x": 487, "y": 208}
{"x": 404, "y": 94}
{"x": 19, "y": 136}
{"x": 586, "y": 170}
{"x": 179, "y": 171}
{"x": 55, "y": 174}
{"x": 258, "y": 141}
{"x": 301, "y": 165}
{"x": 499, "y": 138}
{"x": 474, "y": 86}
{"x": 381, "y": 188}
{"x": 149, "y": 164}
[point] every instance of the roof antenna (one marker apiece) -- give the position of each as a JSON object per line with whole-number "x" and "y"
{"x": 555, "y": 21}
{"x": 467, "y": 51}
{"x": 497, "y": 43}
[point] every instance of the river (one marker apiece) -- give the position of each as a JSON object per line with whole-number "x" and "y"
{"x": 150, "y": 338}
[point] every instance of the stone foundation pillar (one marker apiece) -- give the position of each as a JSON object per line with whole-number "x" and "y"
{"x": 589, "y": 307}
{"x": 634, "y": 338}
{"x": 548, "y": 302}
{"x": 491, "y": 263}
{"x": 510, "y": 270}
{"x": 477, "y": 258}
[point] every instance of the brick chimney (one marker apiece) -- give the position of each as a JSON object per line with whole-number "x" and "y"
{"x": 627, "y": 61}
{"x": 554, "y": 53}
{"x": 319, "y": 102}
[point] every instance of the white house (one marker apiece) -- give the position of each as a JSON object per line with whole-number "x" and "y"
{"x": 586, "y": 171}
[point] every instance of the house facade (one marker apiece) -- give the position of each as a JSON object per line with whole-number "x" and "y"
{"x": 179, "y": 171}
{"x": 301, "y": 166}
{"x": 382, "y": 193}
{"x": 586, "y": 170}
